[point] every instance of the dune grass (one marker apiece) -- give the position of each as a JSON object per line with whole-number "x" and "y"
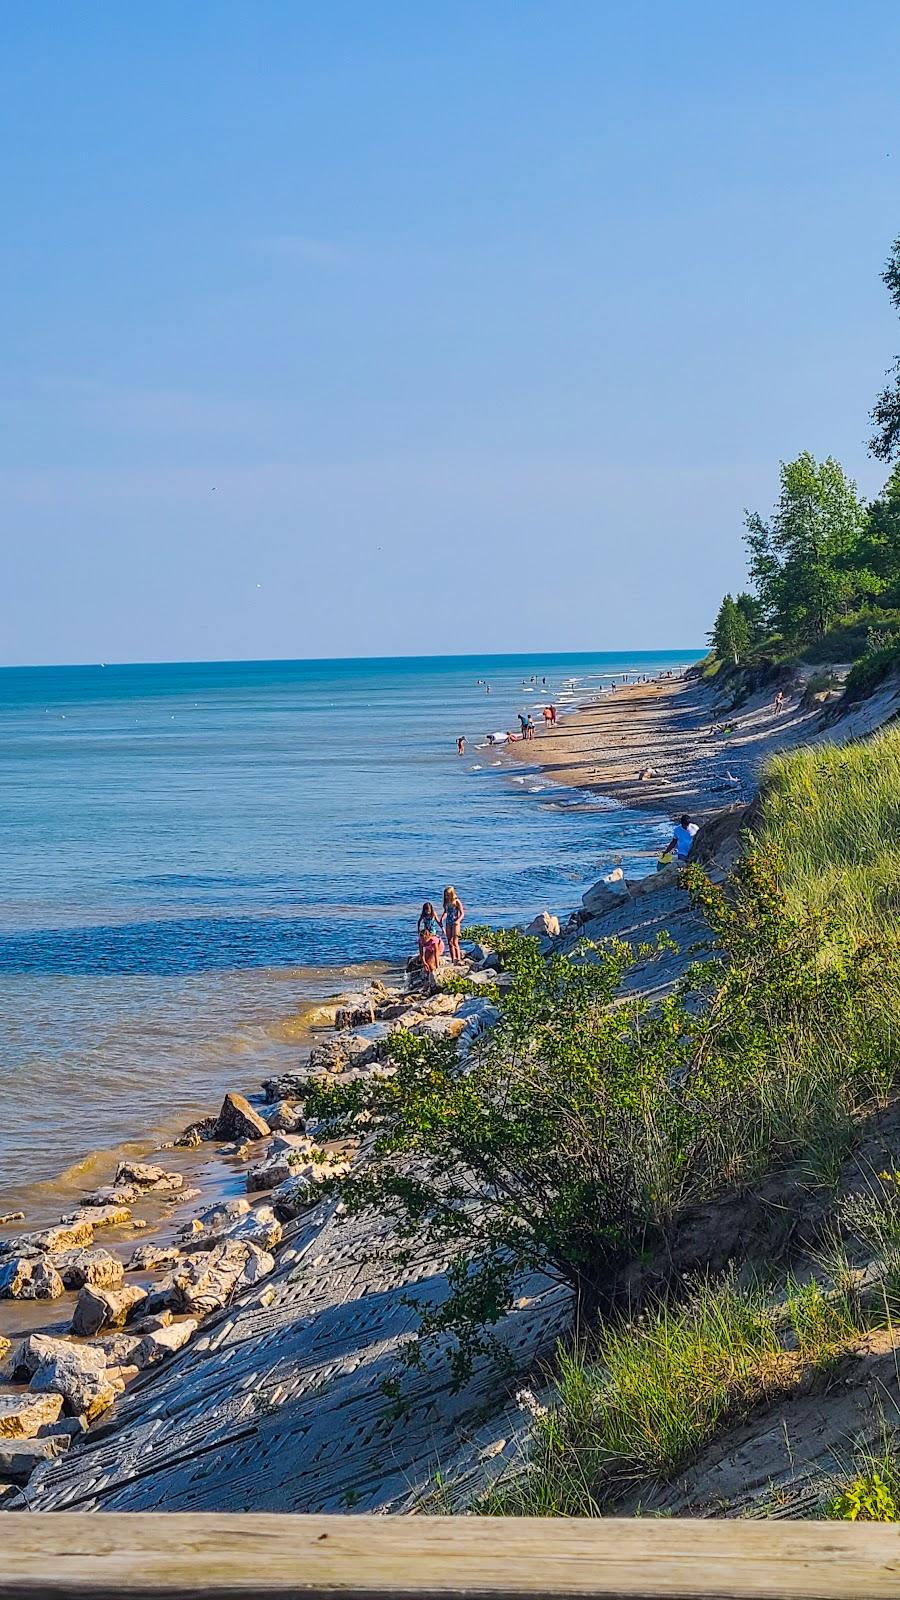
{"x": 833, "y": 812}
{"x": 632, "y": 1411}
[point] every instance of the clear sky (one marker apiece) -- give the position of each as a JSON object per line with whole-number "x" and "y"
{"x": 337, "y": 328}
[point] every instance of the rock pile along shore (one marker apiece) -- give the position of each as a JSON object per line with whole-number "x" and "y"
{"x": 54, "y": 1386}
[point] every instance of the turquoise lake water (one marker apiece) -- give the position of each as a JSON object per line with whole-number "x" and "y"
{"x": 190, "y": 851}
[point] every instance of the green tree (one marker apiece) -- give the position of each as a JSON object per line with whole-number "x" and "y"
{"x": 885, "y": 441}
{"x": 880, "y": 545}
{"x": 802, "y": 560}
{"x": 730, "y": 636}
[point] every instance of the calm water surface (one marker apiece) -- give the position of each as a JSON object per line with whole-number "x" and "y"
{"x": 190, "y": 851}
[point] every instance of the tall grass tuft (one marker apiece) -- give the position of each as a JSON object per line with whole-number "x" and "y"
{"x": 834, "y": 813}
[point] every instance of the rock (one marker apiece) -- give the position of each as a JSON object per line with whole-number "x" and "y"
{"x": 234, "y": 1220}
{"x": 148, "y": 1257}
{"x": 195, "y": 1133}
{"x": 72, "y": 1236}
{"x": 353, "y": 1010}
{"x": 289, "y": 1086}
{"x": 646, "y": 773}
{"x": 207, "y": 1282}
{"x": 29, "y": 1278}
{"x": 285, "y": 1116}
{"x": 300, "y": 1190}
{"x": 5, "y": 1347}
{"x": 663, "y": 878}
{"x": 105, "y": 1308}
{"x": 145, "y": 1176}
{"x": 216, "y": 1218}
{"x": 11, "y": 1216}
{"x": 485, "y": 977}
{"x": 100, "y": 1216}
{"x": 342, "y": 1051}
{"x": 78, "y": 1373}
{"x": 18, "y": 1461}
{"x": 98, "y": 1268}
{"x": 164, "y": 1342}
{"x": 22, "y": 1414}
{"x": 238, "y": 1120}
{"x": 162, "y": 1319}
{"x": 606, "y": 894}
{"x": 266, "y": 1174}
{"x": 478, "y": 1015}
{"x": 118, "y": 1348}
{"x": 114, "y": 1194}
{"x": 38, "y": 1348}
{"x": 544, "y": 923}
{"x": 438, "y": 1028}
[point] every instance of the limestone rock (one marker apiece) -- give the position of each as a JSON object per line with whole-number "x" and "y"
{"x": 353, "y": 1010}
{"x": 162, "y": 1319}
{"x": 195, "y": 1133}
{"x": 607, "y": 894}
{"x": 164, "y": 1342}
{"x": 69, "y": 1236}
{"x": 300, "y": 1190}
{"x": 545, "y": 923}
{"x": 23, "y": 1414}
{"x": 438, "y": 1028}
{"x": 38, "y": 1349}
{"x": 113, "y": 1194}
{"x": 341, "y": 1051}
{"x": 87, "y": 1389}
{"x": 288, "y": 1086}
{"x": 98, "y": 1268}
{"x": 105, "y": 1308}
{"x": 149, "y": 1257}
{"x": 5, "y": 1347}
{"x": 97, "y": 1216}
{"x": 207, "y": 1282}
{"x": 118, "y": 1348}
{"x": 143, "y": 1175}
{"x": 285, "y": 1116}
{"x": 238, "y": 1120}
{"x": 29, "y": 1278}
{"x": 18, "y": 1461}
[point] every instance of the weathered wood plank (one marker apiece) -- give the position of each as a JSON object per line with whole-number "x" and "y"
{"x": 215, "y": 1557}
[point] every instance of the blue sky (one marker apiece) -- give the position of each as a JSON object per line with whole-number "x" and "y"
{"x": 353, "y": 328}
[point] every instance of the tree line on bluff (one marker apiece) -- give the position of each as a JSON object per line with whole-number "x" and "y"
{"x": 825, "y": 560}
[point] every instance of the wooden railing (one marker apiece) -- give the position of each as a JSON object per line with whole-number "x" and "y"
{"x": 116, "y": 1557}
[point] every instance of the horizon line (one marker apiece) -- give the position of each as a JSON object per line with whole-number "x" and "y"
{"x": 287, "y": 661}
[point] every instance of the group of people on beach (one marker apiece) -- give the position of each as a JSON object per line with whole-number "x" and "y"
{"x": 432, "y": 925}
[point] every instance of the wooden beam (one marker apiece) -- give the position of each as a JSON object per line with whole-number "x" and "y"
{"x": 158, "y": 1557}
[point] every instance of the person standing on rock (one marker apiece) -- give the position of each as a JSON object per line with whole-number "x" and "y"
{"x": 454, "y": 911}
{"x": 431, "y": 944}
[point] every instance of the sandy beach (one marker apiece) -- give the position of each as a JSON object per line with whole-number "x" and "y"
{"x": 697, "y": 755}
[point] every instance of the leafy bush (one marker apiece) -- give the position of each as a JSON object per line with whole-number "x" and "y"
{"x": 577, "y": 1132}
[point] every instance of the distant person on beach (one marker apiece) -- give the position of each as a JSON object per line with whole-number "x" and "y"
{"x": 682, "y": 839}
{"x": 547, "y": 715}
{"x": 778, "y": 702}
{"x": 553, "y": 716}
{"x": 431, "y": 945}
{"x": 454, "y": 912}
{"x": 523, "y": 723}
{"x": 461, "y": 745}
{"x": 529, "y": 726}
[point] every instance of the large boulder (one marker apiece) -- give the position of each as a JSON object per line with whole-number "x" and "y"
{"x": 233, "y": 1219}
{"x": 206, "y": 1283}
{"x": 301, "y": 1189}
{"x": 545, "y": 925}
{"x": 29, "y": 1278}
{"x": 111, "y": 1216}
{"x": 39, "y": 1348}
{"x": 353, "y": 1010}
{"x": 96, "y": 1309}
{"x": 285, "y": 1116}
{"x": 604, "y": 896}
{"x": 78, "y": 1373}
{"x": 238, "y": 1120}
{"x": 112, "y": 1194}
{"x": 22, "y": 1415}
{"x": 150, "y": 1257}
{"x": 144, "y": 1175}
{"x": 63, "y": 1236}
{"x": 19, "y": 1460}
{"x": 98, "y": 1268}
{"x": 163, "y": 1342}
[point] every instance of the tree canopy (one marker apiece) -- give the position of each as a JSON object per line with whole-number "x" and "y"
{"x": 885, "y": 441}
